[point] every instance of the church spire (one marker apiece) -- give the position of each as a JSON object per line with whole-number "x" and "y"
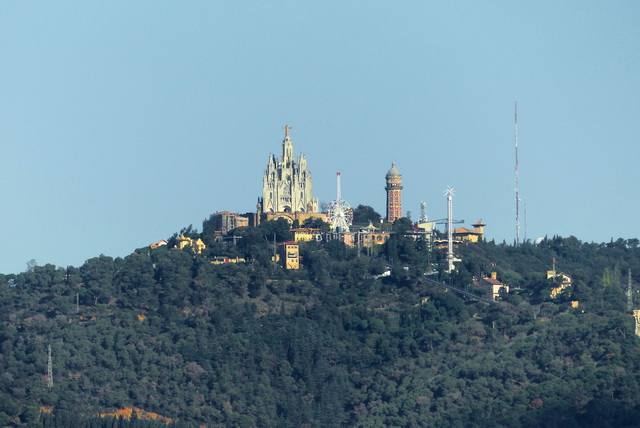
{"x": 286, "y": 184}
{"x": 287, "y": 147}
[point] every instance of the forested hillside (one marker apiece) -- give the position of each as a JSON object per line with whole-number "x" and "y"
{"x": 330, "y": 345}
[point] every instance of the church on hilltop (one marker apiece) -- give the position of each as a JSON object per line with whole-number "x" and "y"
{"x": 287, "y": 190}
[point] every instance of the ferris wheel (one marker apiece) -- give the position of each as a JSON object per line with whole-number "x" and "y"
{"x": 340, "y": 213}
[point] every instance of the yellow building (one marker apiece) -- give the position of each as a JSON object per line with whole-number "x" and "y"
{"x": 349, "y": 239}
{"x": 306, "y": 235}
{"x": 371, "y": 236}
{"x": 368, "y": 237}
{"x": 565, "y": 282}
{"x": 221, "y": 260}
{"x": 467, "y": 235}
{"x": 291, "y": 217}
{"x": 494, "y": 285}
{"x": 196, "y": 244}
{"x": 290, "y": 255}
{"x": 365, "y": 237}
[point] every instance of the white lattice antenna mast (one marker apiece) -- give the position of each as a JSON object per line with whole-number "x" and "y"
{"x": 423, "y": 212}
{"x": 629, "y": 293}
{"x": 517, "y": 196}
{"x": 449, "y": 194}
{"x": 49, "y": 370}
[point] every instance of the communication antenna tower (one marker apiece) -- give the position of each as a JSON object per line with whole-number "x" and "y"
{"x": 629, "y": 293}
{"x": 49, "y": 370}
{"x": 525, "y": 220}
{"x": 517, "y": 197}
{"x": 449, "y": 194}
{"x": 423, "y": 212}
{"x": 340, "y": 213}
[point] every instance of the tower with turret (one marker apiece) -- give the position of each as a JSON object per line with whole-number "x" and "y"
{"x": 394, "y": 193}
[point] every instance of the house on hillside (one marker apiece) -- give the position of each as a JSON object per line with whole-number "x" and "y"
{"x": 196, "y": 244}
{"x": 365, "y": 237}
{"x": 159, "y": 244}
{"x": 493, "y": 286}
{"x": 470, "y": 235}
{"x": 304, "y": 234}
{"x": 565, "y": 281}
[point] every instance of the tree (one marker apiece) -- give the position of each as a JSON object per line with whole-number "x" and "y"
{"x": 280, "y": 227}
{"x": 207, "y": 344}
{"x": 316, "y": 223}
{"x": 401, "y": 225}
{"x": 363, "y": 214}
{"x": 97, "y": 276}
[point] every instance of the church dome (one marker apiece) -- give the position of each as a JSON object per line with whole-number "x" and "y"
{"x": 393, "y": 172}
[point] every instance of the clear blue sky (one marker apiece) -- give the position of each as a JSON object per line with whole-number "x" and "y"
{"x": 122, "y": 122}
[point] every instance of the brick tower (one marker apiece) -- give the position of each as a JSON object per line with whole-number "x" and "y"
{"x": 394, "y": 193}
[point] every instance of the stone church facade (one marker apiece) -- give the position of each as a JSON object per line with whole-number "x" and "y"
{"x": 287, "y": 189}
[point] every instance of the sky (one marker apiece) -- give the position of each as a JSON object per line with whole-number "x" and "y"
{"x": 123, "y": 122}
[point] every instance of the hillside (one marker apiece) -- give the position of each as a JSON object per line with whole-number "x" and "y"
{"x": 328, "y": 345}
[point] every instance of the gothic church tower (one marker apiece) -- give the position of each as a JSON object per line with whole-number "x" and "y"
{"x": 394, "y": 193}
{"x": 286, "y": 184}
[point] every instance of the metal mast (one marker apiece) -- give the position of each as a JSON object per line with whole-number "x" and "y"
{"x": 517, "y": 197}
{"x": 423, "y": 212}
{"x": 49, "y": 370}
{"x": 525, "y": 220}
{"x": 449, "y": 195}
{"x": 629, "y": 293}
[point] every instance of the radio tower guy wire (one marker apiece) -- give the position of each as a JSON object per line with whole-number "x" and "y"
{"x": 517, "y": 197}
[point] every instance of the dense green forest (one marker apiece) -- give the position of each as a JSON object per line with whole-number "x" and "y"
{"x": 332, "y": 344}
